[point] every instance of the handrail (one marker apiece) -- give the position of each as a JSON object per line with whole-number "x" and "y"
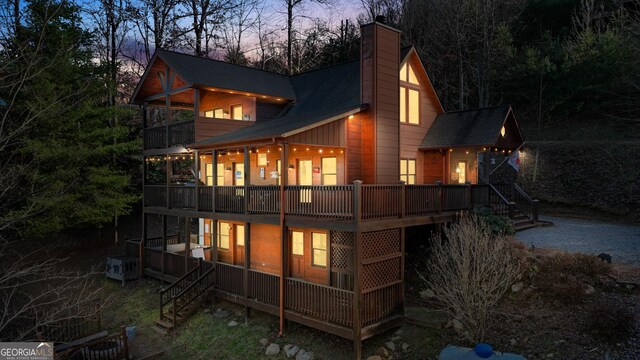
{"x": 171, "y": 290}
{"x": 200, "y": 286}
{"x": 162, "y": 126}
{"x": 495, "y": 191}
{"x": 522, "y": 192}
{"x": 504, "y": 205}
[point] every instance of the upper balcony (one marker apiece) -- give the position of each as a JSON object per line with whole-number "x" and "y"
{"x": 177, "y": 120}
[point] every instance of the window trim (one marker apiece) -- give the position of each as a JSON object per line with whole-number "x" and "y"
{"x": 322, "y": 172}
{"x": 219, "y": 236}
{"x": 326, "y": 250}
{"x": 408, "y": 174}
{"x": 232, "y": 113}
{"x": 407, "y": 87}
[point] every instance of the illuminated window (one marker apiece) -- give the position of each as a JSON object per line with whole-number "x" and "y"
{"x": 409, "y": 105}
{"x": 223, "y": 236}
{"x": 236, "y": 112}
{"x": 262, "y": 159}
{"x": 240, "y": 235}
{"x": 407, "y": 74}
{"x": 329, "y": 171}
{"x": 220, "y": 174}
{"x": 408, "y": 171}
{"x": 208, "y": 174}
{"x": 319, "y": 249}
{"x": 218, "y": 113}
{"x": 503, "y": 132}
{"x": 297, "y": 243}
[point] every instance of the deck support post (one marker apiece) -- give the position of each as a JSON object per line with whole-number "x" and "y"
{"x": 357, "y": 271}
{"x": 214, "y": 179}
{"x": 168, "y": 190}
{"x": 284, "y": 232}
{"x": 468, "y": 195}
{"x": 164, "y": 241}
{"x": 247, "y": 179}
{"x": 143, "y": 241}
{"x": 214, "y": 252}
{"x": 247, "y": 265}
{"x": 403, "y": 199}
{"x": 187, "y": 243}
{"x": 535, "y": 216}
{"x": 438, "y": 198}
{"x": 196, "y": 173}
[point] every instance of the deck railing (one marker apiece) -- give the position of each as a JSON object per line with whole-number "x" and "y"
{"x": 381, "y": 201}
{"x": 155, "y": 195}
{"x": 264, "y": 287}
{"x": 335, "y": 201}
{"x": 229, "y": 199}
{"x": 192, "y": 291}
{"x": 319, "y": 301}
{"x": 380, "y": 303}
{"x": 422, "y": 199}
{"x": 264, "y": 199}
{"x": 169, "y": 292}
{"x": 229, "y": 278}
{"x": 153, "y": 259}
{"x": 182, "y": 197}
{"x": 164, "y": 136}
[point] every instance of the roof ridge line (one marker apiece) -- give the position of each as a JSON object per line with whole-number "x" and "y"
{"x": 326, "y": 67}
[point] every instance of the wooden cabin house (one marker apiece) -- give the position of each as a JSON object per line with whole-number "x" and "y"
{"x": 303, "y": 186}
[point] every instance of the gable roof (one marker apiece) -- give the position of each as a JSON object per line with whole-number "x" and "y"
{"x": 476, "y": 127}
{"x": 322, "y": 96}
{"x": 219, "y": 74}
{"x": 405, "y": 55}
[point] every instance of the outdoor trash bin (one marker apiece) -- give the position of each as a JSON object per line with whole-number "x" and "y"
{"x": 481, "y": 351}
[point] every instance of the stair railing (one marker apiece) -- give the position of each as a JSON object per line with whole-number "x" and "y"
{"x": 525, "y": 203}
{"x": 178, "y": 286}
{"x": 191, "y": 292}
{"x": 499, "y": 203}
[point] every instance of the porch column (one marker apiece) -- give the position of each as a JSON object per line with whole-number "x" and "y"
{"x": 164, "y": 241}
{"x": 143, "y": 242}
{"x": 187, "y": 244}
{"x": 214, "y": 251}
{"x": 284, "y": 231}
{"x": 357, "y": 270}
{"x": 214, "y": 178}
{"x": 196, "y": 174}
{"x": 167, "y": 98}
{"x": 247, "y": 265}
{"x": 247, "y": 179}
{"x": 168, "y": 189}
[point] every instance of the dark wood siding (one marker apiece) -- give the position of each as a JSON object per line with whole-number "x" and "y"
{"x": 209, "y": 127}
{"x": 331, "y": 134}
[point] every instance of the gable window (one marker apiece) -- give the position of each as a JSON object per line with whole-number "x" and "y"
{"x": 236, "y": 112}
{"x": 408, "y": 171}
{"x": 409, "y": 96}
{"x": 329, "y": 171}
{"x": 319, "y": 249}
{"x": 223, "y": 236}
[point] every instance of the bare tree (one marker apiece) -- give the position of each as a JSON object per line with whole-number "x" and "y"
{"x": 242, "y": 21}
{"x": 469, "y": 272}
{"x": 205, "y": 17}
{"x": 291, "y": 5}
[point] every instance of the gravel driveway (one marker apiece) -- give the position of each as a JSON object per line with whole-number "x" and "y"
{"x": 622, "y": 242}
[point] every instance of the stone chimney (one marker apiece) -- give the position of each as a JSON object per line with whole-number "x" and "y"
{"x": 380, "y": 89}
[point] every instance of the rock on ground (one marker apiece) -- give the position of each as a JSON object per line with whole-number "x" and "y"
{"x": 232, "y": 323}
{"x": 291, "y": 350}
{"x": 264, "y": 341}
{"x": 304, "y": 355}
{"x": 427, "y": 294}
{"x": 374, "y": 357}
{"x": 390, "y": 345}
{"x": 272, "y": 349}
{"x": 517, "y": 287}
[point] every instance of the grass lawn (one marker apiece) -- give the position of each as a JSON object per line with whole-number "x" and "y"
{"x": 204, "y": 336}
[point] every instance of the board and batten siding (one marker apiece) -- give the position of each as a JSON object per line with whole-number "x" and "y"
{"x": 331, "y": 134}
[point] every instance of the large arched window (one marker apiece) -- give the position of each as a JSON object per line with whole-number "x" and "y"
{"x": 409, "y": 96}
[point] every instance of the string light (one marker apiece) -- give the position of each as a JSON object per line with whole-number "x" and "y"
{"x": 320, "y": 151}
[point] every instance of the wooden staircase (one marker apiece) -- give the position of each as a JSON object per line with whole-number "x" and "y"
{"x": 180, "y": 299}
{"x": 512, "y": 201}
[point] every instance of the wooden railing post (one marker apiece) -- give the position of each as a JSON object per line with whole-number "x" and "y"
{"x": 512, "y": 209}
{"x": 357, "y": 201}
{"x": 125, "y": 341}
{"x": 98, "y": 317}
{"x": 247, "y": 179}
{"x": 535, "y": 204}
{"x": 173, "y": 313}
{"x": 214, "y": 179}
{"x": 438, "y": 198}
{"x": 403, "y": 199}
{"x": 197, "y": 180}
{"x": 468, "y": 195}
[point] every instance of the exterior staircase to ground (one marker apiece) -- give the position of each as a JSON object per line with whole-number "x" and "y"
{"x": 510, "y": 200}
{"x": 180, "y": 299}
